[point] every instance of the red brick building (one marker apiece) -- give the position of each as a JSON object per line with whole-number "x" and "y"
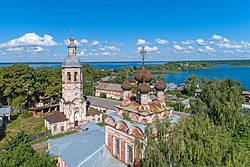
{"x": 131, "y": 117}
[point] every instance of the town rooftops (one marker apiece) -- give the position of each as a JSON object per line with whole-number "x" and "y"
{"x": 245, "y": 93}
{"x": 84, "y": 149}
{"x": 103, "y": 102}
{"x": 109, "y": 86}
{"x": 56, "y": 117}
{"x": 171, "y": 85}
{"x": 5, "y": 111}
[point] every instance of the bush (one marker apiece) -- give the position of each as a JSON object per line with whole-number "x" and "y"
{"x": 132, "y": 98}
{"x": 26, "y": 114}
{"x": 103, "y": 95}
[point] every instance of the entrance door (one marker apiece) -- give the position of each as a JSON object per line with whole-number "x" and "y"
{"x": 77, "y": 118}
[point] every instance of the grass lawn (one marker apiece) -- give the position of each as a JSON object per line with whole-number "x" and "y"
{"x": 42, "y": 150}
{"x": 23, "y": 122}
{"x": 45, "y": 138}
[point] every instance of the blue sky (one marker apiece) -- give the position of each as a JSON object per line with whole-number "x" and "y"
{"x": 115, "y": 30}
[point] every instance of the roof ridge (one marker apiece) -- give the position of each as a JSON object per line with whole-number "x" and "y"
{"x": 89, "y": 157}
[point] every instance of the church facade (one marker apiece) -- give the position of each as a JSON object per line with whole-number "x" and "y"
{"x": 130, "y": 120}
{"x": 72, "y": 103}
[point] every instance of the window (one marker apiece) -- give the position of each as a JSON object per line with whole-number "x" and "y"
{"x": 62, "y": 128}
{"x": 75, "y": 76}
{"x": 55, "y": 128}
{"x": 130, "y": 155}
{"x": 98, "y": 119}
{"x": 117, "y": 146}
{"x": 68, "y": 76}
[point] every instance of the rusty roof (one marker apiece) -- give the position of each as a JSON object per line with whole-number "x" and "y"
{"x": 56, "y": 117}
{"x": 134, "y": 106}
{"x": 109, "y": 86}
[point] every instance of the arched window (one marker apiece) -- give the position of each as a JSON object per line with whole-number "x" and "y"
{"x": 68, "y": 76}
{"x": 75, "y": 76}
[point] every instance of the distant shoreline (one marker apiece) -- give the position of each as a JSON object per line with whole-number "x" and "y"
{"x": 128, "y": 61}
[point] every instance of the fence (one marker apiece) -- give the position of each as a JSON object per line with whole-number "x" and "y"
{"x": 40, "y": 135}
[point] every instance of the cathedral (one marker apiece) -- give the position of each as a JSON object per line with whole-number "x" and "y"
{"x": 131, "y": 117}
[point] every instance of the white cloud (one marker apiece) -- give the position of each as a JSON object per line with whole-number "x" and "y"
{"x": 207, "y": 49}
{"x": 84, "y": 41}
{"x": 66, "y": 42}
{"x": 30, "y": 39}
{"x": 229, "y": 46}
{"x": 239, "y": 50}
{"x": 102, "y": 49}
{"x": 200, "y": 41}
{"x": 188, "y": 42}
{"x": 95, "y": 43}
{"x": 112, "y": 48}
{"x": 106, "y": 53}
{"x": 82, "y": 53}
{"x": 217, "y": 37}
{"x": 178, "y": 47}
{"x": 148, "y": 49}
{"x": 17, "y": 49}
{"x": 161, "y": 41}
{"x": 190, "y": 47}
{"x": 141, "y": 42}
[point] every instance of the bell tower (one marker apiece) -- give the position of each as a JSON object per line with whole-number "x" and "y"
{"x": 72, "y": 102}
{"x": 71, "y": 47}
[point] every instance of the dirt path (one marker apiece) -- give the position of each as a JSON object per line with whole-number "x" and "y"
{"x": 39, "y": 145}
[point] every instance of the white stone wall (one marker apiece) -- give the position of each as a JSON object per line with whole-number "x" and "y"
{"x": 61, "y": 127}
{"x": 103, "y": 110}
{"x": 95, "y": 119}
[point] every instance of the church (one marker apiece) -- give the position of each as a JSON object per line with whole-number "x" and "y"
{"x": 131, "y": 117}
{"x": 114, "y": 144}
{"x": 73, "y": 106}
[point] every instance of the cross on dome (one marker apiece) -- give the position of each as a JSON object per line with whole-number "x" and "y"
{"x": 143, "y": 52}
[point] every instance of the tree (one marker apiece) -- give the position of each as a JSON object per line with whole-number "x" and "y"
{"x": 18, "y": 152}
{"x": 196, "y": 141}
{"x": 191, "y": 84}
{"x": 217, "y": 135}
{"x": 222, "y": 101}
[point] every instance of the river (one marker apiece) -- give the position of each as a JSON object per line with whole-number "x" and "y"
{"x": 222, "y": 71}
